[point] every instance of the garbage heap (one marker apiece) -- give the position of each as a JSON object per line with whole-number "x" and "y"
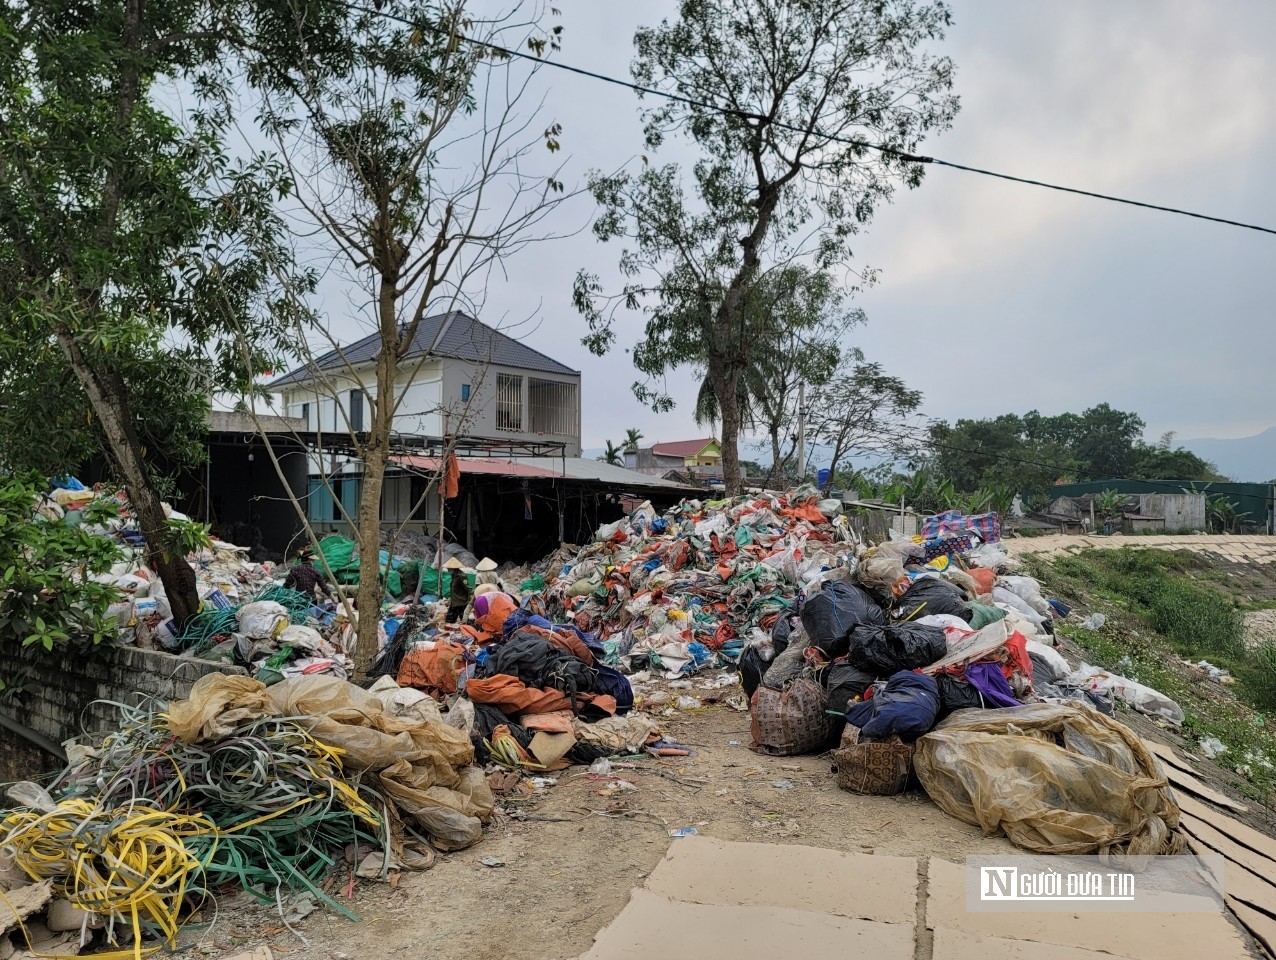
{"x": 931, "y": 656}
{"x": 693, "y": 588}
{"x": 271, "y": 789}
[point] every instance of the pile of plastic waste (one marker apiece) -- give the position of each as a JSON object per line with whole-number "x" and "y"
{"x": 694, "y": 587}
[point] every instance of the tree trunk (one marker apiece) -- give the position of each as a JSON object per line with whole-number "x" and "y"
{"x": 110, "y": 403}
{"x": 724, "y": 385}
{"x": 775, "y": 455}
{"x": 375, "y": 454}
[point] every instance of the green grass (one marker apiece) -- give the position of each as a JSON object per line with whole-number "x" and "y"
{"x": 1160, "y": 606}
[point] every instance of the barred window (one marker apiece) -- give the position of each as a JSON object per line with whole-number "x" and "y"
{"x": 553, "y": 409}
{"x": 509, "y": 402}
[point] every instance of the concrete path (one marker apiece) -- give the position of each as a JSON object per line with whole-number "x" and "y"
{"x": 1240, "y": 549}
{"x": 717, "y": 900}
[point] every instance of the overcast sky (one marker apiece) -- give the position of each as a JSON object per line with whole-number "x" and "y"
{"x": 998, "y": 297}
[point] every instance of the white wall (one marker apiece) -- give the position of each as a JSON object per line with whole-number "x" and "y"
{"x": 434, "y": 404}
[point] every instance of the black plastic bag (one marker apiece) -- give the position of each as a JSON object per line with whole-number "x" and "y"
{"x": 831, "y": 615}
{"x": 844, "y": 682}
{"x": 752, "y": 669}
{"x": 930, "y": 595}
{"x": 884, "y": 651}
{"x": 907, "y": 708}
{"x": 955, "y": 694}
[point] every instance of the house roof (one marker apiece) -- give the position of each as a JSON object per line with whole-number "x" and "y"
{"x": 681, "y": 448}
{"x": 455, "y": 335}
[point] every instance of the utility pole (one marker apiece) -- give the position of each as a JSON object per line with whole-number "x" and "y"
{"x": 801, "y": 432}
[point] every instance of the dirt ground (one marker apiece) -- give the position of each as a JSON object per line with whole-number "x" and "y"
{"x": 1260, "y": 627}
{"x": 572, "y": 853}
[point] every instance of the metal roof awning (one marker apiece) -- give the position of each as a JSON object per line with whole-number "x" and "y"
{"x": 571, "y": 469}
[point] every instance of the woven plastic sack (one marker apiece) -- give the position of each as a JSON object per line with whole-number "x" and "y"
{"x": 880, "y": 769}
{"x": 1054, "y": 778}
{"x": 790, "y": 721}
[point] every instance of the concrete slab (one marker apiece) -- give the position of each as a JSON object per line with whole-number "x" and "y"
{"x": 956, "y": 945}
{"x": 709, "y": 871}
{"x": 652, "y": 926}
{"x": 1137, "y": 936}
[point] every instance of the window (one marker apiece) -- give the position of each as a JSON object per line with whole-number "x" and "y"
{"x": 553, "y": 408}
{"x": 509, "y": 402}
{"x": 305, "y": 414}
{"x": 356, "y": 411}
{"x": 465, "y": 393}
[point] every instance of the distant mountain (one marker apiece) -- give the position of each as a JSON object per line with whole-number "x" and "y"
{"x": 1247, "y": 459}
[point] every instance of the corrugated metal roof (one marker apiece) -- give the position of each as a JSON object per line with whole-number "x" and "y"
{"x": 548, "y": 468}
{"x": 458, "y": 335}
{"x": 474, "y": 466}
{"x": 579, "y": 468}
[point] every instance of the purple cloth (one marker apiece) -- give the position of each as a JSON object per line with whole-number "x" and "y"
{"x": 988, "y": 679}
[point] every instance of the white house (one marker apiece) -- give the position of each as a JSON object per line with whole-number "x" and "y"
{"x": 459, "y": 377}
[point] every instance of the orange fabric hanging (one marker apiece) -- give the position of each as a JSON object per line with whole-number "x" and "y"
{"x": 451, "y": 477}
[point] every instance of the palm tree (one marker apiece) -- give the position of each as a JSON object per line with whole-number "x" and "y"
{"x": 632, "y": 436}
{"x": 615, "y": 455}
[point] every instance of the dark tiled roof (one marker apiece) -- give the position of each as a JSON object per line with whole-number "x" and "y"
{"x": 458, "y": 336}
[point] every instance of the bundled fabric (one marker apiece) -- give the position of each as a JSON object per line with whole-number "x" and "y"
{"x": 906, "y": 708}
{"x": 931, "y": 596}
{"x": 433, "y": 667}
{"x": 991, "y": 682}
{"x": 884, "y": 651}
{"x": 986, "y": 525}
{"x": 1055, "y": 778}
{"x": 831, "y": 615}
{"x": 790, "y": 721}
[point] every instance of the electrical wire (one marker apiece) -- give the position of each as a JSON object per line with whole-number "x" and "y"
{"x": 792, "y": 128}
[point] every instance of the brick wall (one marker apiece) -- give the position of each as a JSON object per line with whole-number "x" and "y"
{"x": 58, "y": 698}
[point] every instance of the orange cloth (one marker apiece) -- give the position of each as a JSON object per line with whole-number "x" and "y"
{"x": 806, "y": 510}
{"x": 568, "y": 643}
{"x": 549, "y": 722}
{"x": 433, "y": 670}
{"x": 986, "y": 577}
{"x": 451, "y": 477}
{"x": 499, "y": 608}
{"x": 514, "y": 697}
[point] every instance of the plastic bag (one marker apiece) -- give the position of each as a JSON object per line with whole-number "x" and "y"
{"x": 906, "y": 708}
{"x": 1140, "y": 697}
{"x": 262, "y": 620}
{"x": 787, "y": 665}
{"x": 880, "y": 573}
{"x": 844, "y": 683}
{"x": 450, "y": 817}
{"x": 930, "y": 595}
{"x": 790, "y": 721}
{"x": 1053, "y": 658}
{"x": 1028, "y": 590}
{"x": 1055, "y": 778}
{"x": 1018, "y": 604}
{"x": 884, "y": 651}
{"x": 831, "y": 615}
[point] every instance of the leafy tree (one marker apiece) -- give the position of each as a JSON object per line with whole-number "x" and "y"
{"x": 864, "y": 409}
{"x": 784, "y": 101}
{"x": 996, "y": 452}
{"x": 410, "y": 154}
{"x": 48, "y": 594}
{"x": 121, "y": 248}
{"x": 614, "y": 454}
{"x": 796, "y": 323}
{"x": 633, "y": 436}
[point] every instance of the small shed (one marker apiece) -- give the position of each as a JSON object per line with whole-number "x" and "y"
{"x": 1141, "y": 523}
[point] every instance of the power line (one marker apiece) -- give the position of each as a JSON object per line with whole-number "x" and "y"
{"x": 791, "y": 128}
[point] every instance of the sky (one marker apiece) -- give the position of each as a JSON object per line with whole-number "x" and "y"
{"x": 996, "y": 297}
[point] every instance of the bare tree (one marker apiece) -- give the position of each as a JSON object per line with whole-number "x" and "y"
{"x": 411, "y": 153}
{"x": 865, "y": 409}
